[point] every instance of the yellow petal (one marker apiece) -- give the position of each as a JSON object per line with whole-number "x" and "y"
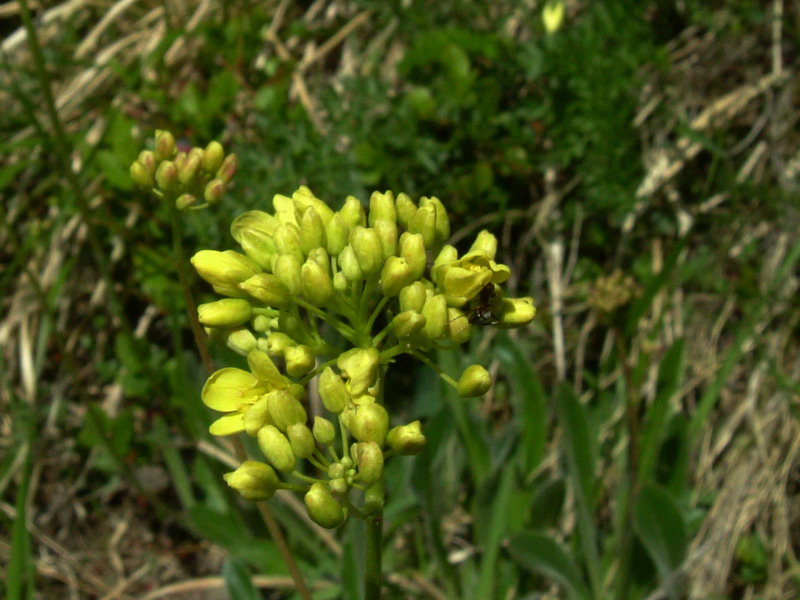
{"x": 229, "y": 388}
{"x": 227, "y": 424}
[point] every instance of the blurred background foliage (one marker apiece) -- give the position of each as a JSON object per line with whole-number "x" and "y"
{"x": 646, "y": 450}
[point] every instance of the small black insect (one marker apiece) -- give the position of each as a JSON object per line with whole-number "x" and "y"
{"x": 481, "y": 312}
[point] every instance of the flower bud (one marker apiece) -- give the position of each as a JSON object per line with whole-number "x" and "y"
{"x": 446, "y": 256}
{"x": 256, "y": 220}
{"x": 189, "y": 169}
{"x": 287, "y": 268}
{"x": 289, "y": 322}
{"x": 474, "y": 381}
{"x": 312, "y": 231}
{"x": 276, "y": 448}
{"x": 278, "y": 342}
{"x": 459, "y": 329}
{"x": 241, "y": 341}
{"x": 367, "y": 247}
{"x": 324, "y": 431}
{"x": 165, "y": 145}
{"x": 214, "y": 191}
{"x": 381, "y": 207}
{"x": 323, "y": 508}
{"x": 141, "y": 176}
{"x": 185, "y": 201}
{"x": 515, "y": 312}
{"x": 369, "y": 458}
{"x": 435, "y": 313}
{"x": 353, "y": 213}
{"x": 338, "y": 486}
{"x": 387, "y": 234}
{"x": 370, "y": 423}
{"x": 213, "y": 157}
{"x": 485, "y": 243}
{"x": 360, "y": 366}
{"x": 167, "y": 177}
{"x": 253, "y": 480}
{"x": 333, "y": 391}
{"x": 349, "y": 265}
{"x": 287, "y": 240}
{"x": 406, "y": 209}
{"x": 267, "y": 289}
{"x": 299, "y": 360}
{"x": 262, "y": 324}
{"x": 228, "y": 168}
{"x": 553, "y": 15}
{"x": 395, "y": 276}
{"x": 320, "y": 256}
{"x": 147, "y": 159}
{"x": 257, "y": 416}
{"x": 406, "y": 440}
{"x": 412, "y": 248}
{"x": 340, "y": 283}
{"x": 224, "y": 269}
{"x": 301, "y": 439}
{"x": 413, "y": 297}
{"x": 228, "y": 312}
{"x": 442, "y": 225}
{"x": 285, "y": 409}
{"x": 316, "y": 283}
{"x": 424, "y": 222}
{"x": 336, "y": 234}
{"x": 407, "y": 324}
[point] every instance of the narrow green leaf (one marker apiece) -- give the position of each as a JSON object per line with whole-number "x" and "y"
{"x": 530, "y": 403}
{"x": 660, "y": 527}
{"x": 670, "y": 376}
{"x": 498, "y": 524}
{"x": 547, "y": 503}
{"x": 238, "y": 582}
{"x": 541, "y": 554}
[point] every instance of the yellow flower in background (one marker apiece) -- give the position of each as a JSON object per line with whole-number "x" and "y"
{"x": 553, "y": 15}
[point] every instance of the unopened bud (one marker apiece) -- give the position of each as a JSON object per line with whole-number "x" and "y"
{"x": 333, "y": 391}
{"x": 349, "y": 265}
{"x": 257, "y": 416}
{"x": 225, "y": 269}
{"x": 287, "y": 240}
{"x": 406, "y": 209}
{"x": 435, "y": 313}
{"x": 167, "y": 176}
{"x": 267, "y": 289}
{"x": 276, "y": 448}
{"x": 324, "y": 431}
{"x": 320, "y": 256}
{"x": 424, "y": 222}
{"x": 336, "y": 234}
{"x": 459, "y": 329}
{"x": 412, "y": 248}
{"x": 299, "y": 360}
{"x": 241, "y": 341}
{"x": 353, "y": 213}
{"x": 369, "y": 458}
{"x": 312, "y": 231}
{"x": 361, "y": 367}
{"x": 396, "y": 275}
{"x": 406, "y": 440}
{"x": 214, "y": 191}
{"x": 165, "y": 145}
{"x": 316, "y": 283}
{"x": 407, "y": 324}
{"x": 323, "y": 508}
{"x": 338, "y": 486}
{"x": 285, "y": 409}
{"x": 278, "y": 342}
{"x": 366, "y": 245}
{"x": 228, "y": 168}
{"x": 474, "y": 381}
{"x": 446, "y": 256}
{"x": 185, "y": 201}
{"x": 442, "y": 224}
{"x": 287, "y": 268}
{"x": 253, "y": 480}
{"x": 301, "y": 439}
{"x": 228, "y": 312}
{"x": 485, "y": 243}
{"x": 370, "y": 423}
{"x": 515, "y": 312}
{"x": 147, "y": 159}
{"x": 413, "y": 297}
{"x": 141, "y": 176}
{"x": 381, "y": 207}
{"x": 213, "y": 157}
{"x": 190, "y": 168}
{"x": 387, "y": 233}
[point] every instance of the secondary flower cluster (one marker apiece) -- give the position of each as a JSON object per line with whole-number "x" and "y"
{"x": 322, "y": 301}
{"x": 183, "y": 177}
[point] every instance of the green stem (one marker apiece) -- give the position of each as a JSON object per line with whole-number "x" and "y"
{"x": 340, "y": 326}
{"x": 373, "y": 558}
{"x": 420, "y": 356}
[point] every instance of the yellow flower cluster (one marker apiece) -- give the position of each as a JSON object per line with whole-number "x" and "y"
{"x": 329, "y": 298}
